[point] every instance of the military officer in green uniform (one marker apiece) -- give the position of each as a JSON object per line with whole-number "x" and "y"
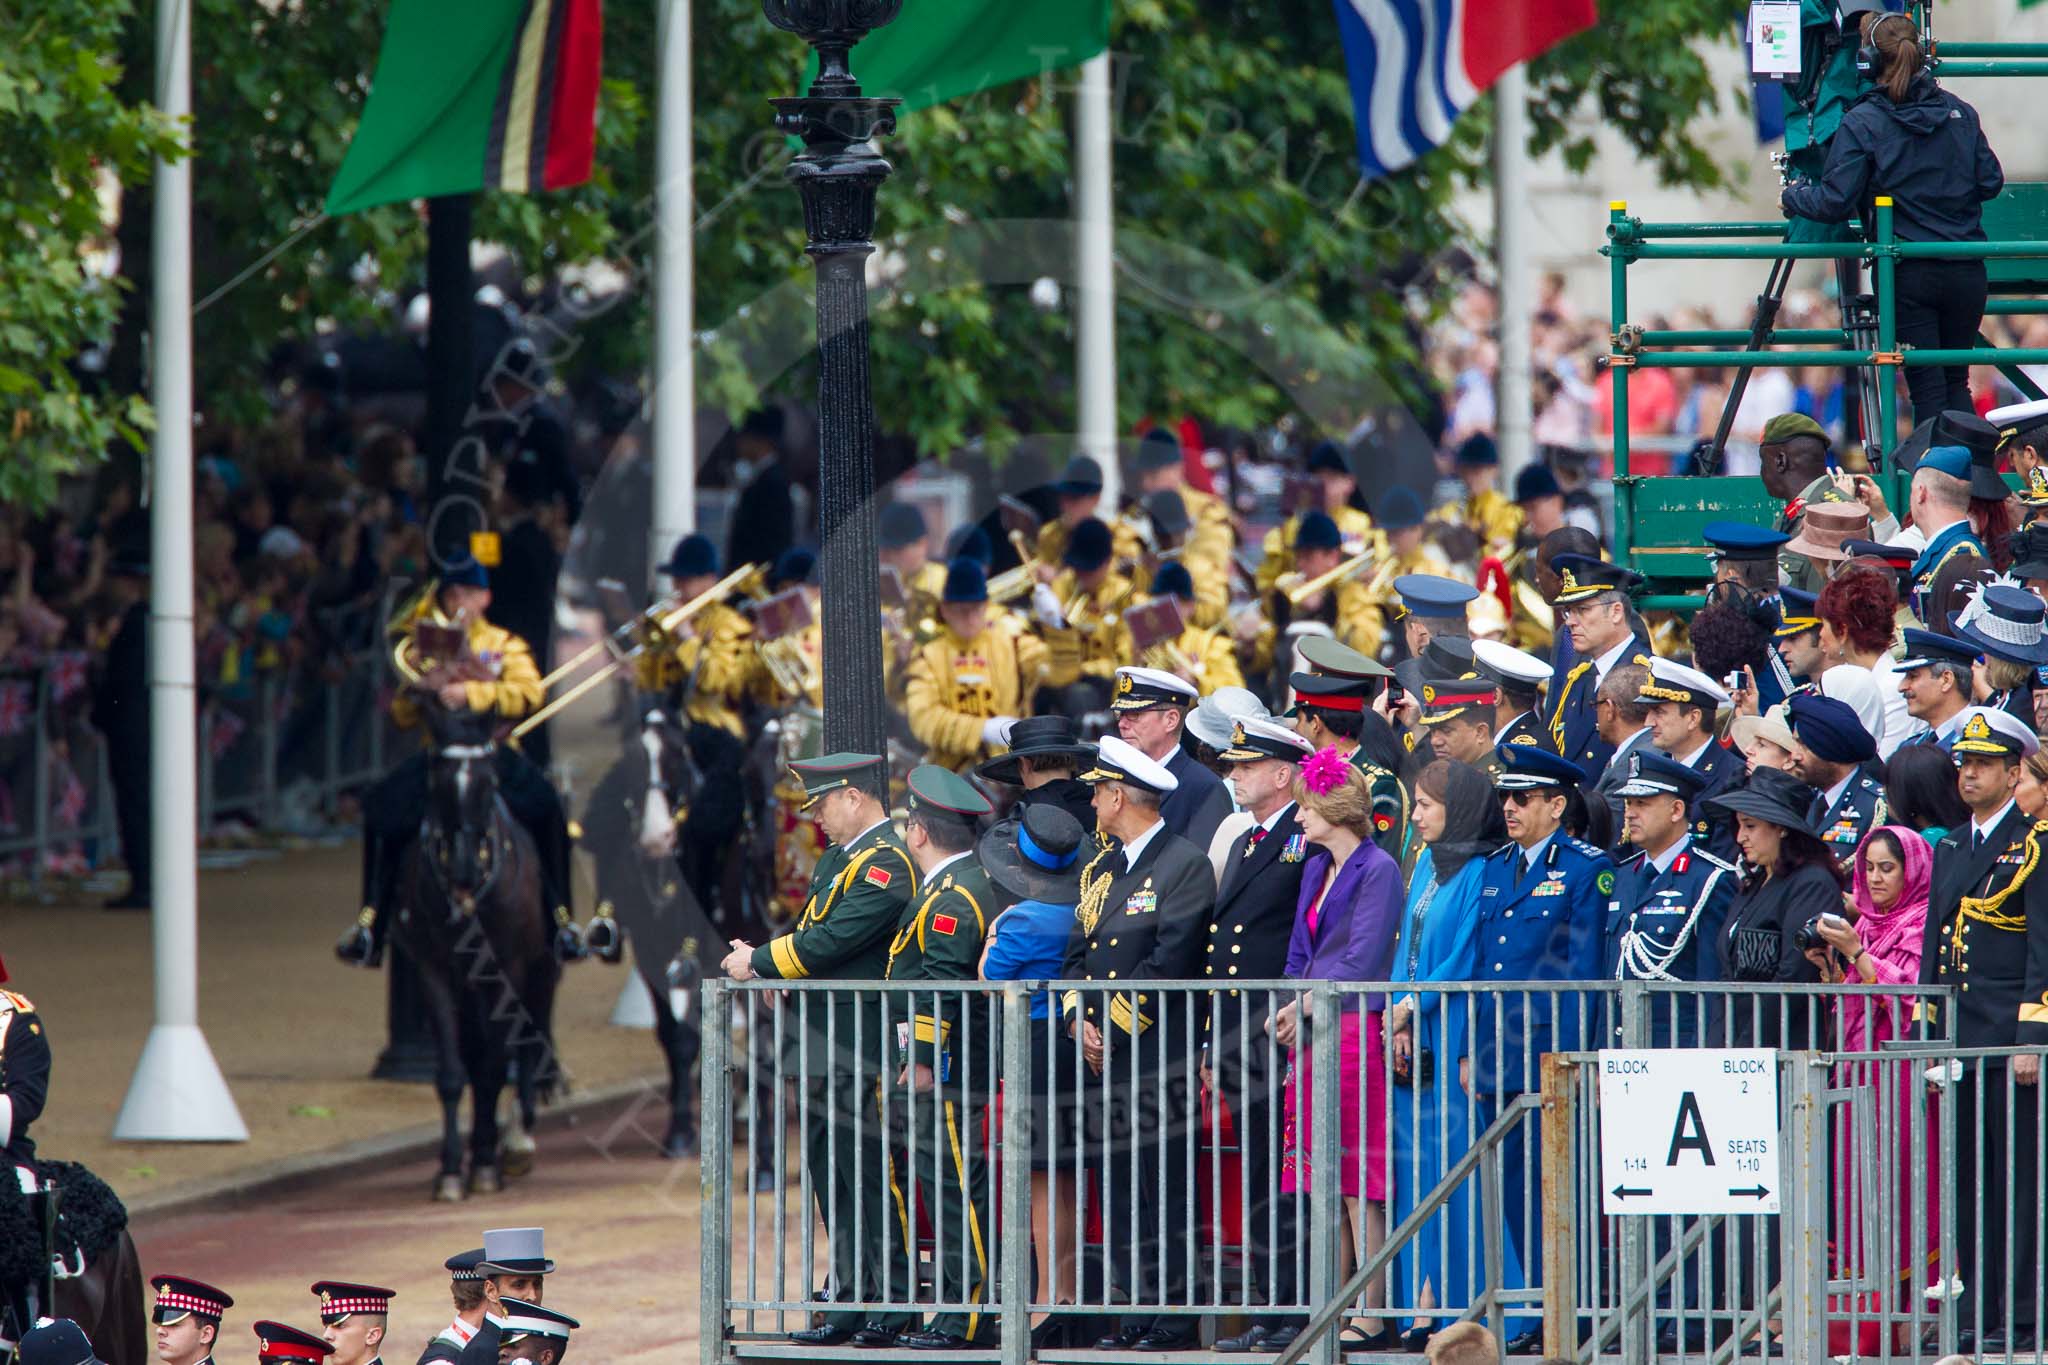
{"x": 860, "y": 890}
{"x": 943, "y": 1046}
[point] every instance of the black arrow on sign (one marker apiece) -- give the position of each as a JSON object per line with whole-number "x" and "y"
{"x": 1758, "y": 1193}
{"x": 1623, "y": 1192}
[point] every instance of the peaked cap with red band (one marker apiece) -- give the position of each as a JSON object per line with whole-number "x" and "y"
{"x": 277, "y": 1342}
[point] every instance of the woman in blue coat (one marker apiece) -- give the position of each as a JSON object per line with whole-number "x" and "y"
{"x": 1459, "y": 822}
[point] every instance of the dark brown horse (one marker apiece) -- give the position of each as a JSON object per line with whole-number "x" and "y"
{"x": 470, "y": 916}
{"x": 83, "y": 1268}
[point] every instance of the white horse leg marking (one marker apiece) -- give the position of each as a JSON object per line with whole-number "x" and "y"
{"x": 657, "y": 821}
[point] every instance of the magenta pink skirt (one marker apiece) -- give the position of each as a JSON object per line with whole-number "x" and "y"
{"x": 1362, "y": 1128}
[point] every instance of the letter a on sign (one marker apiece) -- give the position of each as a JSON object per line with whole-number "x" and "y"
{"x": 1689, "y": 1131}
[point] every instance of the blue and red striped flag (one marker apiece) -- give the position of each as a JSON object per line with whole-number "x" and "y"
{"x": 1417, "y": 64}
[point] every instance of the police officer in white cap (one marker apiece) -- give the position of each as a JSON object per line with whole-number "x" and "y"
{"x": 1151, "y": 707}
{"x": 1144, "y": 915}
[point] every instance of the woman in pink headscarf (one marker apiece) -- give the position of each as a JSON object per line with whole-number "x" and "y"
{"x": 1882, "y": 947}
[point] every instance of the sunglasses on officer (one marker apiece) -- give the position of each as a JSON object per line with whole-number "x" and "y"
{"x": 1524, "y": 796}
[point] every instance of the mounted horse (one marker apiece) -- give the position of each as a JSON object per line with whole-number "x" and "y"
{"x": 662, "y": 839}
{"x": 471, "y": 916}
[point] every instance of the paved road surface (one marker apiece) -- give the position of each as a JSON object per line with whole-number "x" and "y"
{"x": 622, "y": 1225}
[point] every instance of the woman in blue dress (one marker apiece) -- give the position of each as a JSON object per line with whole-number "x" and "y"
{"x": 1458, "y": 820}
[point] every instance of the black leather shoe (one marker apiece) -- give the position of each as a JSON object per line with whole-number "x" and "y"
{"x": 1529, "y": 1343}
{"x": 1280, "y": 1338}
{"x": 875, "y": 1337}
{"x": 358, "y": 947}
{"x": 1251, "y": 1339}
{"x": 1124, "y": 1340}
{"x": 827, "y": 1335}
{"x": 602, "y": 937}
{"x": 1416, "y": 1341}
{"x": 934, "y": 1341}
{"x": 1165, "y": 1339}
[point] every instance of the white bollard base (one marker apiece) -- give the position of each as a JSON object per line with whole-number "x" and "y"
{"x": 635, "y": 1008}
{"x": 179, "y": 1094}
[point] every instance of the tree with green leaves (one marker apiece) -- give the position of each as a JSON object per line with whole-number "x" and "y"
{"x": 1257, "y": 277}
{"x": 67, "y": 139}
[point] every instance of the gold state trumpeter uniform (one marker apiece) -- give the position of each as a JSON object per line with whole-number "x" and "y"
{"x": 710, "y": 668}
{"x": 1090, "y": 644}
{"x": 1277, "y": 551}
{"x": 956, "y": 685}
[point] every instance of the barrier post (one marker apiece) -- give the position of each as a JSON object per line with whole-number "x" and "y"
{"x": 39, "y": 753}
{"x": 1805, "y": 1223}
{"x": 715, "y": 1156}
{"x": 1326, "y": 1187}
{"x": 1015, "y": 1196}
{"x": 1560, "y": 1262}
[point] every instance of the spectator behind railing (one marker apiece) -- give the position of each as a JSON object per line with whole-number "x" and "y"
{"x": 1459, "y": 822}
{"x": 1882, "y": 946}
{"x": 1344, "y": 930}
{"x": 1791, "y": 879}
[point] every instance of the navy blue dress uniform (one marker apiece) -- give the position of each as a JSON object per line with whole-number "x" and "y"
{"x": 1540, "y": 922}
{"x": 939, "y": 939}
{"x": 1951, "y": 541}
{"x": 1571, "y": 717}
{"x": 858, "y": 894}
{"x": 1987, "y": 938}
{"x": 1798, "y": 613}
{"x": 1667, "y": 911}
{"x": 464, "y": 1268}
{"x": 179, "y": 1297}
{"x": 1925, "y": 648}
{"x": 1343, "y": 680}
{"x": 1201, "y": 800}
{"x": 279, "y": 1343}
{"x": 1249, "y": 930}
{"x": 1829, "y": 728}
{"x": 1140, "y": 919}
{"x": 1718, "y": 766}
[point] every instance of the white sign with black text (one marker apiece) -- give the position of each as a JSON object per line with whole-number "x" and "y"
{"x": 1689, "y": 1130}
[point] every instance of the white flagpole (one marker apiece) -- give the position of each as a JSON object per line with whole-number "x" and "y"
{"x": 1095, "y": 277}
{"x": 675, "y": 375}
{"x": 178, "y": 1093}
{"x": 1513, "y": 417}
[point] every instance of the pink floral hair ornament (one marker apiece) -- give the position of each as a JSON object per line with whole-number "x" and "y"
{"x": 1325, "y": 770}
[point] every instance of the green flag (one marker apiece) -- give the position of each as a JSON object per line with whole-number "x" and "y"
{"x": 938, "y": 50}
{"x": 487, "y": 94}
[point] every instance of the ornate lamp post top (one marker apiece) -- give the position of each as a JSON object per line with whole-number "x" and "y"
{"x": 832, "y": 27}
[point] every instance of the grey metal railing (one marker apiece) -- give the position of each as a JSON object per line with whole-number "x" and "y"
{"x": 1145, "y": 1182}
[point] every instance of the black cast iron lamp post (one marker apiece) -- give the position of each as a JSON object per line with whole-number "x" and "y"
{"x": 837, "y": 175}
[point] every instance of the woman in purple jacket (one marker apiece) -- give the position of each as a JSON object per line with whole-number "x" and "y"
{"x": 1345, "y": 926}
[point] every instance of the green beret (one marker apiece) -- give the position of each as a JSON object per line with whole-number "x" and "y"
{"x": 1786, "y": 425}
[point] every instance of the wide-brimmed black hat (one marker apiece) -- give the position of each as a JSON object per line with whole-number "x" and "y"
{"x": 1036, "y": 853}
{"x": 1036, "y": 737}
{"x": 1774, "y": 796}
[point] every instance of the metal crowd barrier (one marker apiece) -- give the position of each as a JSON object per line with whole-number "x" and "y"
{"x": 287, "y": 739}
{"x": 1181, "y": 1183}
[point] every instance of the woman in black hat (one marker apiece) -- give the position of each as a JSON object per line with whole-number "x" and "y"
{"x": 1789, "y": 879}
{"x": 1034, "y": 857}
{"x": 1045, "y": 758}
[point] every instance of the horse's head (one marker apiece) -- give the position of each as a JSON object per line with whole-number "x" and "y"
{"x": 670, "y": 784}
{"x": 462, "y": 792}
